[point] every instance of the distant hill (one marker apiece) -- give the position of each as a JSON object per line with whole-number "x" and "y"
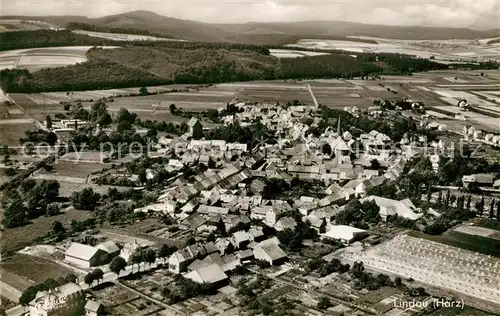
{"x": 260, "y": 33}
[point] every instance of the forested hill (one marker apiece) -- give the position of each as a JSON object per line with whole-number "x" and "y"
{"x": 258, "y": 32}
{"x": 200, "y": 63}
{"x": 47, "y": 38}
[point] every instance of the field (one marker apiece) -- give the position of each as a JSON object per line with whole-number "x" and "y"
{"x": 474, "y": 243}
{"x": 37, "y": 58}
{"x": 487, "y": 223}
{"x": 11, "y": 131}
{"x": 272, "y": 92}
{"x": 16, "y": 25}
{"x": 68, "y": 171}
{"x": 17, "y": 238}
{"x": 289, "y": 53}
{"x": 478, "y": 231}
{"x": 123, "y": 37}
{"x": 442, "y": 51}
{"x": 29, "y": 267}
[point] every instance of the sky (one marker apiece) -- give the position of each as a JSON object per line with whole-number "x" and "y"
{"x": 479, "y": 14}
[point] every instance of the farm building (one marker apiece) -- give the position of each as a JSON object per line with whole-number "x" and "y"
{"x": 346, "y": 234}
{"x": 85, "y": 256}
{"x": 110, "y": 247}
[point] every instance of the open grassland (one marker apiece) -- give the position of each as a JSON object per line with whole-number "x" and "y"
{"x": 14, "y": 239}
{"x": 474, "y": 243}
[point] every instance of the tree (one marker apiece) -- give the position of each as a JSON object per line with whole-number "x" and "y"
{"x": 52, "y": 209}
{"x": 498, "y": 211}
{"x": 467, "y": 206}
{"x": 105, "y": 120}
{"x": 48, "y": 122}
{"x": 9, "y": 172}
{"x": 492, "y": 209}
{"x": 117, "y": 265}
{"x": 324, "y": 303}
{"x": 166, "y": 251}
{"x": 27, "y": 185}
{"x": 137, "y": 257}
{"x": 439, "y": 198}
{"x": 398, "y": 281}
{"x": 15, "y": 215}
{"x": 98, "y": 274}
{"x": 51, "y": 138}
{"x": 58, "y": 228}
{"x": 143, "y": 91}
{"x": 89, "y": 278}
{"x": 86, "y": 199}
{"x": 479, "y": 205}
{"x": 357, "y": 269}
{"x": 173, "y": 109}
{"x": 375, "y": 164}
{"x": 150, "y": 256}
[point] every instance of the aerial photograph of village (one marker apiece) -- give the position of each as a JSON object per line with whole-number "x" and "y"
{"x": 249, "y": 158}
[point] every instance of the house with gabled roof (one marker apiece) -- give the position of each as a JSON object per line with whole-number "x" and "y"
{"x": 212, "y": 275}
{"x": 271, "y": 253}
{"x": 85, "y": 256}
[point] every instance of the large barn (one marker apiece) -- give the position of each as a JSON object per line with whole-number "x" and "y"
{"x": 85, "y": 256}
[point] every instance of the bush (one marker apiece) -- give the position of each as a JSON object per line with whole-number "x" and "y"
{"x": 324, "y": 303}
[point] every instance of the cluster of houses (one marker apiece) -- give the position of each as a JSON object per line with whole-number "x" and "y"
{"x": 231, "y": 194}
{"x": 472, "y": 133}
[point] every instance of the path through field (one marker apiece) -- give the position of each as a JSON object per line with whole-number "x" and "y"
{"x": 312, "y": 95}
